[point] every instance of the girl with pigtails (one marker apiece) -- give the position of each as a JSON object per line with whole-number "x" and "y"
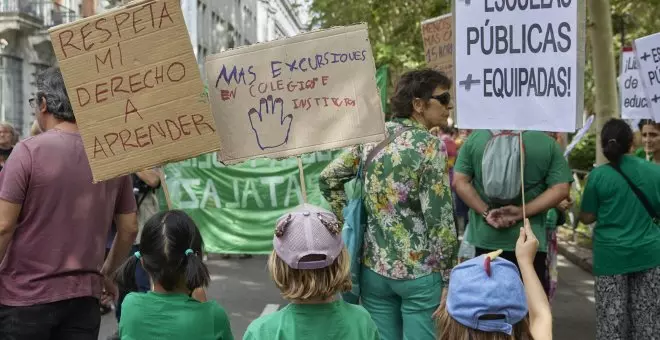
{"x": 175, "y": 308}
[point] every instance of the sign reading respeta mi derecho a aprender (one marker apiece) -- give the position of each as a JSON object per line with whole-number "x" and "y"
{"x": 311, "y": 92}
{"x": 519, "y": 64}
{"x": 135, "y": 88}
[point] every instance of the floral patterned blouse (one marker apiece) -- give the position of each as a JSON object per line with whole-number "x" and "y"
{"x": 411, "y": 231}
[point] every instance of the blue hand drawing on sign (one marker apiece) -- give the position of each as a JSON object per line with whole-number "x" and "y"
{"x": 270, "y": 125}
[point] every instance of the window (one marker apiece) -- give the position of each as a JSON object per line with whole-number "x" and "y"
{"x": 12, "y": 100}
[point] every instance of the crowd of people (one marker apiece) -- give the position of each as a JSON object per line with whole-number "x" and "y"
{"x": 425, "y": 185}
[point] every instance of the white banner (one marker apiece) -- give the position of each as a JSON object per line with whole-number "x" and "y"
{"x": 647, "y": 53}
{"x": 519, "y": 64}
{"x": 634, "y": 104}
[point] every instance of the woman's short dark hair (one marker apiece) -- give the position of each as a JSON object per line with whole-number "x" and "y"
{"x": 416, "y": 84}
{"x": 616, "y": 138}
{"x": 644, "y": 122}
{"x": 165, "y": 239}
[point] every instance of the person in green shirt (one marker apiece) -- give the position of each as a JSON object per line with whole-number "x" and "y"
{"x": 547, "y": 182}
{"x": 410, "y": 242}
{"x": 311, "y": 266}
{"x": 170, "y": 252}
{"x": 650, "y": 131}
{"x": 626, "y": 240}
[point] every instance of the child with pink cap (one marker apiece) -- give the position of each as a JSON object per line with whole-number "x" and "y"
{"x": 311, "y": 266}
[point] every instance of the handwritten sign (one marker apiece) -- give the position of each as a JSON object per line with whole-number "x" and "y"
{"x": 634, "y": 104}
{"x": 135, "y": 88}
{"x": 312, "y": 92}
{"x": 438, "y": 37}
{"x": 519, "y": 64}
{"x": 647, "y": 52}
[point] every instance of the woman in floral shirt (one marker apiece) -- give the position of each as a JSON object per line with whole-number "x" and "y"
{"x": 410, "y": 242}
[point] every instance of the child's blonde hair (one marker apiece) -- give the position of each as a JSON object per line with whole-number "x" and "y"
{"x": 306, "y": 284}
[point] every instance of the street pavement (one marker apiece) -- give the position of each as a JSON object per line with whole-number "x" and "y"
{"x": 243, "y": 288}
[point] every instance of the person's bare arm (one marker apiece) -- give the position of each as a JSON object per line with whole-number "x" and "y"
{"x": 151, "y": 177}
{"x": 587, "y": 218}
{"x": 540, "y": 314}
{"x": 548, "y": 199}
{"x": 127, "y": 229}
{"x": 467, "y": 192}
{"x": 199, "y": 294}
{"x": 8, "y": 218}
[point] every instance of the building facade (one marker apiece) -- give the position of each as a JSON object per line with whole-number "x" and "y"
{"x": 25, "y": 49}
{"x": 218, "y": 25}
{"x": 213, "y": 25}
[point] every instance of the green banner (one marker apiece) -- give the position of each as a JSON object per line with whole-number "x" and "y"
{"x": 382, "y": 79}
{"x": 235, "y": 207}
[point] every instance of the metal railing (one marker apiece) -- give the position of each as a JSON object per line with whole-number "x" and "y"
{"x": 48, "y": 13}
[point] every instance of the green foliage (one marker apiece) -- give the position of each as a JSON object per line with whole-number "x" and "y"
{"x": 394, "y": 25}
{"x": 583, "y": 155}
{"x": 633, "y": 18}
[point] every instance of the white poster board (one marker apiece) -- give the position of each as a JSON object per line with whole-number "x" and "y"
{"x": 311, "y": 92}
{"x": 634, "y": 104}
{"x": 579, "y": 135}
{"x": 647, "y": 52}
{"x": 519, "y": 64}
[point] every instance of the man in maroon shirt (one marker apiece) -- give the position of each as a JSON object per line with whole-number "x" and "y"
{"x": 53, "y": 227}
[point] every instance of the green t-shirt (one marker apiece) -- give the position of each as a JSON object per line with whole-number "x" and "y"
{"x": 545, "y": 166}
{"x": 625, "y": 238}
{"x": 337, "y": 320}
{"x": 151, "y": 315}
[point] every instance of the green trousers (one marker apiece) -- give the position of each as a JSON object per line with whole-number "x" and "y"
{"x": 401, "y": 309}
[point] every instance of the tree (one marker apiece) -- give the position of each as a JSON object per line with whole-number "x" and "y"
{"x": 604, "y": 71}
{"x": 394, "y": 26}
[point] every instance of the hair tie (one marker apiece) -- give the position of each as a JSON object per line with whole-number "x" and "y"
{"x": 189, "y": 252}
{"x": 612, "y": 141}
{"x": 137, "y": 255}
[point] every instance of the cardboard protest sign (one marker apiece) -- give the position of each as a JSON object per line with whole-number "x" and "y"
{"x": 438, "y": 37}
{"x": 519, "y": 64}
{"x": 311, "y": 92}
{"x": 634, "y": 104}
{"x": 135, "y": 88}
{"x": 647, "y": 52}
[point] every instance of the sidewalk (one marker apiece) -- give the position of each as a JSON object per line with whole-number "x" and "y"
{"x": 580, "y": 256}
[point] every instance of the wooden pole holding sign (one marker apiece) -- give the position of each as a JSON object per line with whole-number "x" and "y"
{"x": 522, "y": 175}
{"x": 166, "y": 192}
{"x": 303, "y": 187}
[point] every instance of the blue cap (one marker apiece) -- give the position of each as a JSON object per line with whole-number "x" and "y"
{"x": 473, "y": 293}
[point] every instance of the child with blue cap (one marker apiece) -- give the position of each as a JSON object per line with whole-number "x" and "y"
{"x": 486, "y": 299}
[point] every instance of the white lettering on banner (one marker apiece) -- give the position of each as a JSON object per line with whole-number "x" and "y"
{"x": 647, "y": 53}
{"x": 187, "y": 186}
{"x": 292, "y": 187}
{"x": 272, "y": 182}
{"x": 210, "y": 192}
{"x": 634, "y": 104}
{"x": 519, "y": 64}
{"x": 251, "y": 189}
{"x": 182, "y": 190}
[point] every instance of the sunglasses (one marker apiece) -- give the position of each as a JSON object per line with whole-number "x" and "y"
{"x": 444, "y": 98}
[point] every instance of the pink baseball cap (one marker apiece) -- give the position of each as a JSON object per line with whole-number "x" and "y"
{"x": 309, "y": 237}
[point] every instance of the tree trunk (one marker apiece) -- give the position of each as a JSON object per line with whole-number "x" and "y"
{"x": 602, "y": 54}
